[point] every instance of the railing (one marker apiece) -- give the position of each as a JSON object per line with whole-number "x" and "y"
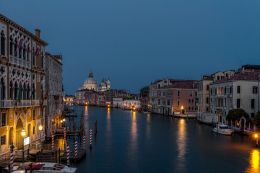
{"x": 20, "y": 103}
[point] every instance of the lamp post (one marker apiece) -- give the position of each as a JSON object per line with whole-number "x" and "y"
{"x": 256, "y": 139}
{"x": 23, "y": 134}
{"x": 40, "y": 129}
{"x": 182, "y": 109}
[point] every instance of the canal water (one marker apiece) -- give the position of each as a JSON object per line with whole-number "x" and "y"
{"x": 135, "y": 142}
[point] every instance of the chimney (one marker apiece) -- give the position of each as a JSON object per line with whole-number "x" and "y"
{"x": 38, "y": 33}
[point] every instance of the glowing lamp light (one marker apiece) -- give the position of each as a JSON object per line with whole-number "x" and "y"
{"x": 40, "y": 127}
{"x": 256, "y": 136}
{"x": 23, "y": 133}
{"x": 182, "y": 107}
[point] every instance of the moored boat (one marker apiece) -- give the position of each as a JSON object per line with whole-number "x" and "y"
{"x": 223, "y": 129}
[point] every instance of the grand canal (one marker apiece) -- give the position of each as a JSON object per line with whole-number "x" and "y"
{"x": 135, "y": 142}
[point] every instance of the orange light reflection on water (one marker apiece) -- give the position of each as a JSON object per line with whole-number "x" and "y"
{"x": 254, "y": 162}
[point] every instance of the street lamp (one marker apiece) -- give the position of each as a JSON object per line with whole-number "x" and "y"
{"x": 23, "y": 134}
{"x": 40, "y": 127}
{"x": 256, "y": 138}
{"x": 182, "y": 109}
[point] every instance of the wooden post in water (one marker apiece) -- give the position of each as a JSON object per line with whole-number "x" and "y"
{"x": 90, "y": 138}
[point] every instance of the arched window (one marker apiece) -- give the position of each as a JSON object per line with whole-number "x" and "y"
{"x": 20, "y": 91}
{"x": 2, "y": 89}
{"x": 24, "y": 92}
{"x": 15, "y": 91}
{"x": 20, "y": 46}
{"x": 33, "y": 91}
{"x": 28, "y": 53}
{"x": 28, "y": 91}
{"x": 15, "y": 47}
{"x": 24, "y": 51}
{"x": 2, "y": 43}
{"x": 11, "y": 91}
{"x": 33, "y": 56}
{"x": 11, "y": 45}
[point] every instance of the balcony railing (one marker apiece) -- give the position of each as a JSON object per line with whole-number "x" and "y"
{"x": 20, "y": 103}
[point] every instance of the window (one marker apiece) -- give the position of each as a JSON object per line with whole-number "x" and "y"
{"x": 231, "y": 90}
{"x": 207, "y": 100}
{"x": 207, "y": 87}
{"x": 238, "y": 103}
{"x": 178, "y": 93}
{"x": 238, "y": 89}
{"x": 33, "y": 114}
{"x": 33, "y": 130}
{"x": 3, "y": 140}
{"x": 168, "y": 102}
{"x": 252, "y": 115}
{"x": 3, "y": 120}
{"x": 255, "y": 89}
{"x": 11, "y": 46}
{"x": 159, "y": 101}
{"x": 252, "y": 103}
{"x": 2, "y": 43}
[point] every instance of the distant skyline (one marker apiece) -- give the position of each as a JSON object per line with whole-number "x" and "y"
{"x": 134, "y": 42}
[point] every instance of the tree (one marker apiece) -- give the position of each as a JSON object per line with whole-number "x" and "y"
{"x": 236, "y": 115}
{"x": 257, "y": 119}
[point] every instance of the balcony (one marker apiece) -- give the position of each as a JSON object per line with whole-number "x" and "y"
{"x": 17, "y": 104}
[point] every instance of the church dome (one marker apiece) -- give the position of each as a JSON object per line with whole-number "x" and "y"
{"x": 90, "y": 83}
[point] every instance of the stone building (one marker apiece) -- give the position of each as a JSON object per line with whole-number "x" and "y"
{"x": 169, "y": 97}
{"x": 54, "y": 88}
{"x": 203, "y": 98}
{"x": 217, "y": 93}
{"x": 241, "y": 91}
{"x": 22, "y": 81}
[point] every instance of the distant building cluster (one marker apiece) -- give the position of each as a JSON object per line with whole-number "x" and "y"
{"x": 102, "y": 95}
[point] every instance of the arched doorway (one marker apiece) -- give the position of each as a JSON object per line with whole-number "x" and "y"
{"x": 242, "y": 123}
{"x": 19, "y": 138}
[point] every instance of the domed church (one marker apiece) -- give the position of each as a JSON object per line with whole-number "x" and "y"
{"x": 90, "y": 83}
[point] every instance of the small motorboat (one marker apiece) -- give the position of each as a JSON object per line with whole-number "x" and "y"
{"x": 44, "y": 167}
{"x": 223, "y": 129}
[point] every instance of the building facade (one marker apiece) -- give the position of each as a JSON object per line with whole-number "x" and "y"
{"x": 239, "y": 92}
{"x": 54, "y": 90}
{"x": 169, "y": 97}
{"x": 22, "y": 81}
{"x": 204, "y": 96}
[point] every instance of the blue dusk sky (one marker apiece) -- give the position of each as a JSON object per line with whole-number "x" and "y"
{"x": 134, "y": 42}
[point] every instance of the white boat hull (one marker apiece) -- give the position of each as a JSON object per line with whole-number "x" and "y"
{"x": 223, "y": 132}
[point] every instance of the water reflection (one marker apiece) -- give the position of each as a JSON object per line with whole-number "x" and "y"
{"x": 108, "y": 113}
{"x": 181, "y": 144}
{"x": 148, "y": 126}
{"x": 133, "y": 133}
{"x": 60, "y": 143}
{"x": 86, "y": 117}
{"x": 108, "y": 121}
{"x": 254, "y": 162}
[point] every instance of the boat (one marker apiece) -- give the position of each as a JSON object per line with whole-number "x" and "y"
{"x": 47, "y": 167}
{"x": 223, "y": 129}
